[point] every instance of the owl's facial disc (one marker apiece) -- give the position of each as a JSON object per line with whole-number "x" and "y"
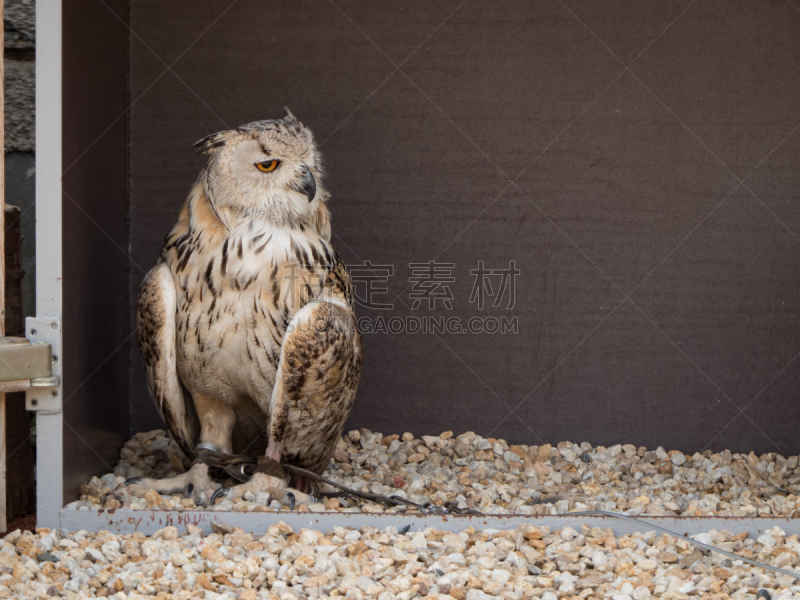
{"x": 303, "y": 183}
{"x": 269, "y": 171}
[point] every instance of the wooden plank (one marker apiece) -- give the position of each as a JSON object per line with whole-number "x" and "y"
{"x": 14, "y": 319}
{"x": 20, "y": 465}
{"x": 8, "y": 387}
{"x": 3, "y": 454}
{"x": 23, "y": 360}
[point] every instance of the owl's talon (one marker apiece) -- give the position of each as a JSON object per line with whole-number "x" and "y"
{"x": 274, "y": 487}
{"x": 194, "y": 483}
{"x": 220, "y": 491}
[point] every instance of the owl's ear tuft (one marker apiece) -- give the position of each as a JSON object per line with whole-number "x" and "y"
{"x": 213, "y": 141}
{"x": 289, "y": 116}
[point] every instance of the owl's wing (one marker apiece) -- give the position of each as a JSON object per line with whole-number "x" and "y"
{"x": 316, "y": 383}
{"x": 157, "y": 340}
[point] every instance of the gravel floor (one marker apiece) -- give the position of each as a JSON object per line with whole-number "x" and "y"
{"x": 488, "y": 475}
{"x": 528, "y": 562}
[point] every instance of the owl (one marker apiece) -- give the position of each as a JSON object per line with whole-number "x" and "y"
{"x": 246, "y": 324}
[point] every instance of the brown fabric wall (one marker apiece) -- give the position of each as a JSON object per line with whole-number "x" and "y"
{"x": 95, "y": 238}
{"x": 637, "y": 160}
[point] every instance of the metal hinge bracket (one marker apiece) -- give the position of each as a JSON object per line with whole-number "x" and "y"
{"x": 45, "y": 392}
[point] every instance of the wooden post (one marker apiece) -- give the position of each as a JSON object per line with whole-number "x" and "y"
{"x": 2, "y": 272}
{"x": 20, "y": 484}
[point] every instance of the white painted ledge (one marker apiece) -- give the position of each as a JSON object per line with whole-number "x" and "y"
{"x": 149, "y": 521}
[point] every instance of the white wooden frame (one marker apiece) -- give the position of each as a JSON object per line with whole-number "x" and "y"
{"x": 49, "y": 424}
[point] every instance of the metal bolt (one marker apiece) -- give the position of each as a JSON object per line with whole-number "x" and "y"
{"x": 53, "y": 326}
{"x": 55, "y": 358}
{"x": 54, "y": 393}
{"x": 34, "y": 402}
{"x": 33, "y": 332}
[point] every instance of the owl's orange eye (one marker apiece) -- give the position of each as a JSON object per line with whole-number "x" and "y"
{"x": 268, "y": 165}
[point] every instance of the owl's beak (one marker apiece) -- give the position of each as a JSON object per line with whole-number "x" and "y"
{"x": 306, "y": 184}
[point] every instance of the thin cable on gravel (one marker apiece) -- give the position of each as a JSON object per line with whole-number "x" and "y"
{"x": 494, "y": 478}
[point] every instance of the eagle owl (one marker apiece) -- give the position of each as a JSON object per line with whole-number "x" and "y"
{"x": 246, "y": 325}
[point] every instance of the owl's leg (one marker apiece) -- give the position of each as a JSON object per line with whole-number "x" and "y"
{"x": 315, "y": 385}
{"x": 274, "y": 450}
{"x": 301, "y": 484}
{"x": 217, "y": 420}
{"x": 269, "y": 476}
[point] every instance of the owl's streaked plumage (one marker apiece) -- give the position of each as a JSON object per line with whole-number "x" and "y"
{"x": 246, "y": 324}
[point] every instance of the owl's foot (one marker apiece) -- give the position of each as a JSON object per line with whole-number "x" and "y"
{"x": 195, "y": 483}
{"x": 270, "y": 478}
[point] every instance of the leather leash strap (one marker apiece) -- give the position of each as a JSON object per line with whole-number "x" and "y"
{"x": 242, "y": 468}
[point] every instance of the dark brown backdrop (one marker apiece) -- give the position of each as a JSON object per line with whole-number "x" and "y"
{"x": 638, "y": 160}
{"x": 95, "y": 230}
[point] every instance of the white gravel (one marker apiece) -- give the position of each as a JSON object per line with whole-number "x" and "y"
{"x": 488, "y": 475}
{"x": 524, "y": 563}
